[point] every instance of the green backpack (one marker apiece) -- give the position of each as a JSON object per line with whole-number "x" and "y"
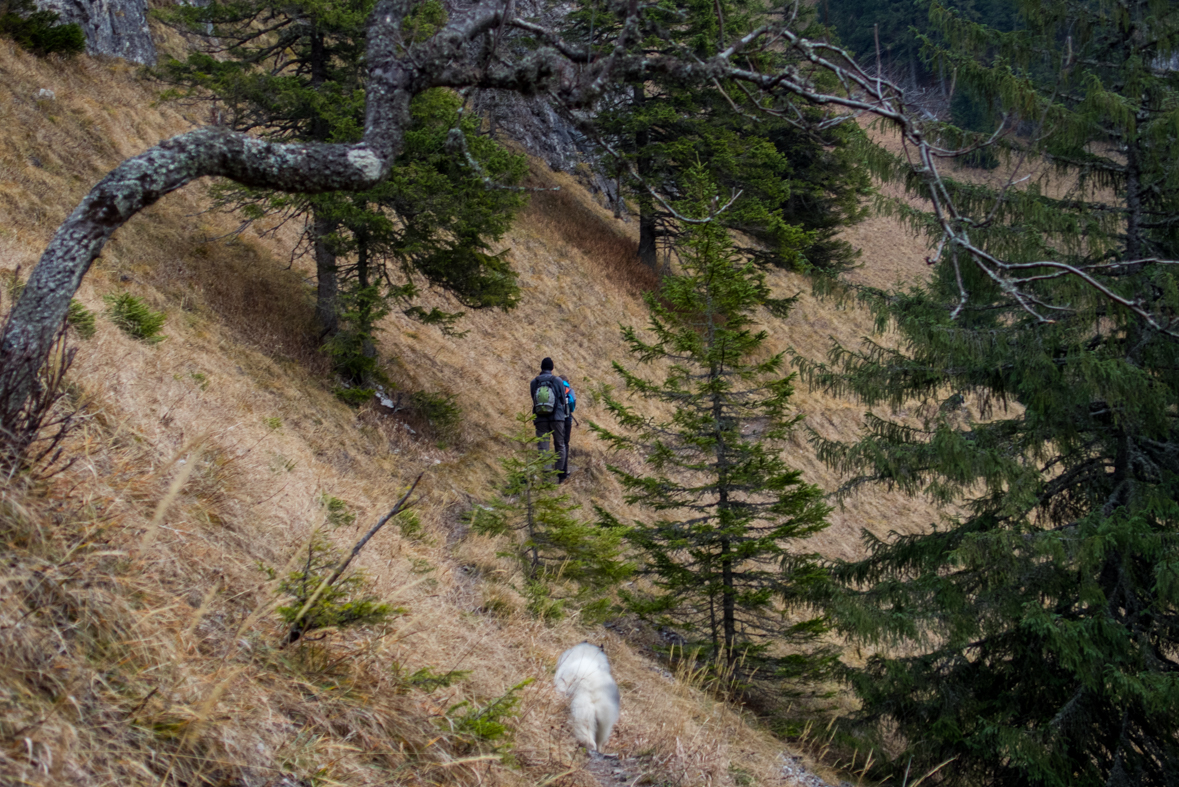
{"x": 544, "y": 401}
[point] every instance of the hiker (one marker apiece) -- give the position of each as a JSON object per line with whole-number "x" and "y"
{"x": 571, "y": 401}
{"x": 549, "y": 405}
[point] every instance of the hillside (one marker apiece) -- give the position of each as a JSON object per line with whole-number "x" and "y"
{"x": 138, "y": 643}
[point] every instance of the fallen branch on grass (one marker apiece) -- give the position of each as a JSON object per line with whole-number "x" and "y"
{"x": 297, "y": 628}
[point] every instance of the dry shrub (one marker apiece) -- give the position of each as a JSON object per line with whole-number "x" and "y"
{"x": 31, "y": 438}
{"x": 32, "y": 435}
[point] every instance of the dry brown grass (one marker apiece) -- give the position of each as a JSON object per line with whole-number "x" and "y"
{"x": 559, "y": 208}
{"x": 135, "y": 642}
{"x": 130, "y": 666}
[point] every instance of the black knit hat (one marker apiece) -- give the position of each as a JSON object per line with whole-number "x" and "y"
{"x": 546, "y": 365}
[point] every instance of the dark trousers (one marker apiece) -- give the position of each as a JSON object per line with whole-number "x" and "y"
{"x": 568, "y": 434}
{"x": 557, "y": 430}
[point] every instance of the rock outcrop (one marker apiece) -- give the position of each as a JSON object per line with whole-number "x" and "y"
{"x": 532, "y": 121}
{"x": 113, "y": 27}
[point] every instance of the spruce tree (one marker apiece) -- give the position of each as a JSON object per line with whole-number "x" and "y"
{"x": 1032, "y": 637}
{"x": 893, "y": 30}
{"x": 798, "y": 177}
{"x": 293, "y": 72}
{"x": 721, "y": 548}
{"x": 433, "y": 219}
{"x": 563, "y": 558}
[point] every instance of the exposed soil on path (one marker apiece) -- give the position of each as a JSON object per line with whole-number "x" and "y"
{"x": 614, "y": 771}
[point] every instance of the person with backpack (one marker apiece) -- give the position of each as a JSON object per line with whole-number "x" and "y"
{"x": 549, "y": 407}
{"x": 571, "y": 401}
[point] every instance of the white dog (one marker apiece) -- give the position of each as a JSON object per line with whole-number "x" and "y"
{"x": 583, "y": 674}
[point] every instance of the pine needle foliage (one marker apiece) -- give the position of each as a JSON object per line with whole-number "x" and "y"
{"x": 81, "y": 320}
{"x": 134, "y": 317}
{"x": 799, "y": 179}
{"x": 294, "y": 72}
{"x": 40, "y": 32}
{"x": 487, "y": 727}
{"x": 564, "y": 559}
{"x": 1033, "y": 637}
{"x": 722, "y": 549}
{"x": 340, "y": 605}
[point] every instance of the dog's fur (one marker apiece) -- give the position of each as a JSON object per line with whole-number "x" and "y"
{"x": 583, "y": 675}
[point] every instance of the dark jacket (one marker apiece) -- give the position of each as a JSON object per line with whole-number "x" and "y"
{"x": 562, "y": 408}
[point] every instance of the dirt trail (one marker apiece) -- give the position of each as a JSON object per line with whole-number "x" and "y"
{"x": 614, "y": 771}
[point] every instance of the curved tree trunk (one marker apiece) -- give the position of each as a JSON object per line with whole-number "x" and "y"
{"x": 136, "y": 184}
{"x": 140, "y": 181}
{"x": 397, "y": 70}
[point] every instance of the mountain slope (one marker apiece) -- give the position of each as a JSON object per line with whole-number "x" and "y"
{"x": 138, "y": 642}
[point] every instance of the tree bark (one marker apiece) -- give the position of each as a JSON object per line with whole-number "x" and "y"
{"x": 1134, "y": 245}
{"x": 327, "y": 281}
{"x": 139, "y": 182}
{"x": 648, "y": 248}
{"x": 648, "y": 245}
{"x": 721, "y": 452}
{"x": 327, "y": 290}
{"x": 365, "y": 323}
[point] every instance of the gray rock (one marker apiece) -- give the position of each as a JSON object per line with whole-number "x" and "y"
{"x": 117, "y": 28}
{"x": 531, "y": 120}
{"x": 533, "y": 123}
{"x": 794, "y": 771}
